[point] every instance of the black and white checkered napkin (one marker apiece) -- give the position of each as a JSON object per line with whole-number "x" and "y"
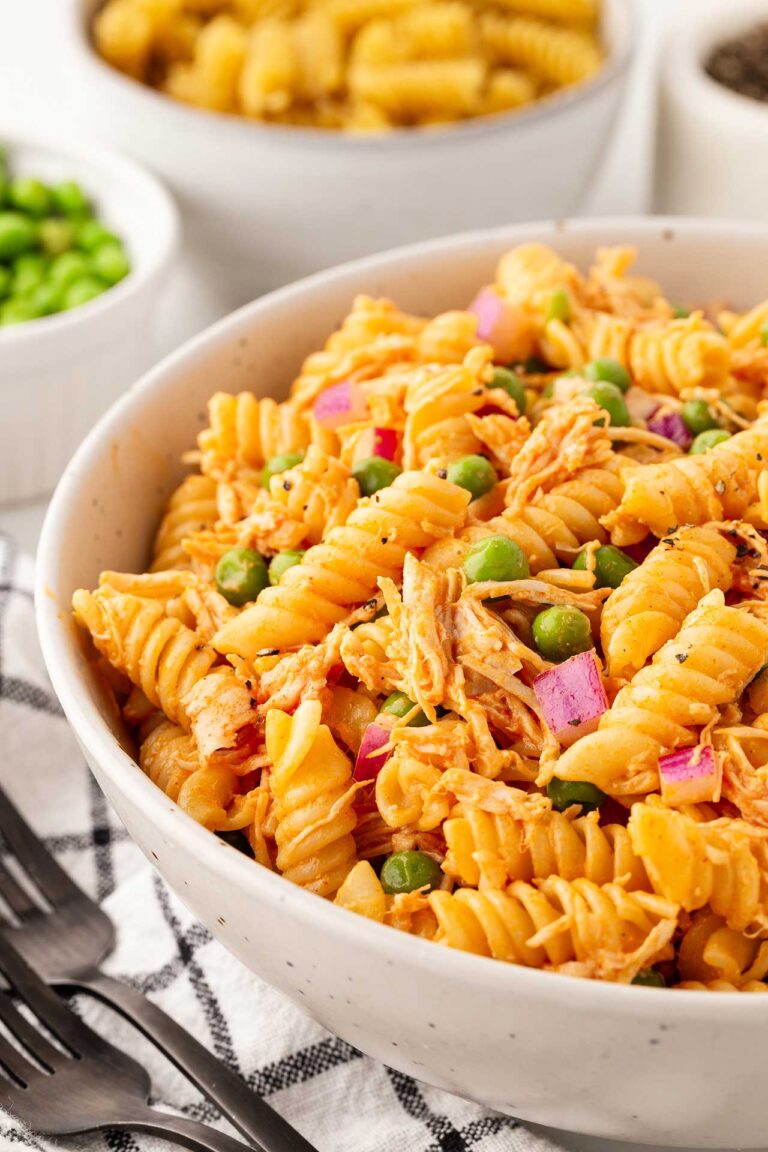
{"x": 340, "y": 1100}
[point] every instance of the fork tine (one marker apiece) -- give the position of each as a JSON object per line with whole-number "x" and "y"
{"x": 31, "y": 1037}
{"x": 19, "y": 901}
{"x": 17, "y": 1065}
{"x": 52, "y": 880}
{"x": 58, "y": 1018}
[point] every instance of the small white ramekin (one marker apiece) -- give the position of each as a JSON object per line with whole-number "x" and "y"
{"x": 264, "y": 204}
{"x": 712, "y": 142}
{"x": 58, "y": 374}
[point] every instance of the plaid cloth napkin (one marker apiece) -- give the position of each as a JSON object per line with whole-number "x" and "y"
{"x": 339, "y": 1099}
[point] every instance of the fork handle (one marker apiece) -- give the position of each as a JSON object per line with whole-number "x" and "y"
{"x": 185, "y": 1133}
{"x": 251, "y": 1115}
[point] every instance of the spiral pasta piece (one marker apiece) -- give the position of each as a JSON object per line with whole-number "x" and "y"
{"x": 680, "y": 354}
{"x": 716, "y": 653}
{"x": 652, "y": 601}
{"x": 311, "y": 780}
{"x": 169, "y": 757}
{"x": 345, "y": 569}
{"x": 557, "y": 55}
{"x": 720, "y": 484}
{"x": 191, "y": 508}
{"x": 554, "y": 526}
{"x": 722, "y": 863}
{"x": 607, "y": 930}
{"x": 243, "y": 432}
{"x": 710, "y": 953}
{"x": 157, "y": 653}
{"x": 489, "y": 850}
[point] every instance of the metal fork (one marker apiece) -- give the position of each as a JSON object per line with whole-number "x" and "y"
{"x": 87, "y": 1084}
{"x": 65, "y": 943}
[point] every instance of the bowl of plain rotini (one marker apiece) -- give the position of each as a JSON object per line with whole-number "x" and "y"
{"x": 435, "y": 681}
{"x": 299, "y": 133}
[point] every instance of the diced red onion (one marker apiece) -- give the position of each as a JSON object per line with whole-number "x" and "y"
{"x": 370, "y": 760}
{"x": 572, "y": 697}
{"x": 690, "y": 776}
{"x": 672, "y": 427}
{"x": 342, "y": 403}
{"x": 640, "y": 404}
{"x": 382, "y": 442}
{"x": 502, "y": 325}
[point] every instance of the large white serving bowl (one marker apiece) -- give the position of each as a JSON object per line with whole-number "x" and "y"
{"x": 58, "y": 374}
{"x": 265, "y": 204}
{"x": 663, "y": 1067}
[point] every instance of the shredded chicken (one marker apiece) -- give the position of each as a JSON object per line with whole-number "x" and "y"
{"x": 566, "y": 439}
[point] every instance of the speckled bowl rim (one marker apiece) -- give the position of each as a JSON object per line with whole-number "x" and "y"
{"x": 250, "y": 131}
{"x": 227, "y": 864}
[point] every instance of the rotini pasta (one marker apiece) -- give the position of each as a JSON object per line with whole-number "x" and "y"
{"x": 353, "y": 65}
{"x": 472, "y": 646}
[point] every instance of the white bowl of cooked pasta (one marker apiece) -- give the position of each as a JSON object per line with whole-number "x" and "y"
{"x": 591, "y": 1055}
{"x": 265, "y": 203}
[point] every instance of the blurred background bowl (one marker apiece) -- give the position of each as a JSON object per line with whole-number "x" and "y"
{"x": 60, "y": 373}
{"x": 263, "y": 205}
{"x": 712, "y": 142}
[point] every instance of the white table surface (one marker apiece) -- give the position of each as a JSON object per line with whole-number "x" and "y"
{"x": 33, "y": 96}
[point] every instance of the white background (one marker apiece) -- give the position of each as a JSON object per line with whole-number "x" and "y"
{"x": 34, "y": 84}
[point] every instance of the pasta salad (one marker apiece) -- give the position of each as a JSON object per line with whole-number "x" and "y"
{"x": 470, "y": 633}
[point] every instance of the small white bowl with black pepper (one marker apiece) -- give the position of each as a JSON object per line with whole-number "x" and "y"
{"x": 713, "y": 112}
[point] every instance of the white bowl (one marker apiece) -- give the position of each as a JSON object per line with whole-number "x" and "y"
{"x": 712, "y": 142}
{"x": 60, "y": 373}
{"x": 264, "y": 204}
{"x": 664, "y": 1067}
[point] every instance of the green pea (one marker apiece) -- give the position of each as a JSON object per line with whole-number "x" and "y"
{"x": 680, "y": 313}
{"x": 17, "y": 234}
{"x": 56, "y": 235}
{"x": 764, "y": 332}
{"x": 82, "y": 291}
{"x": 68, "y": 267}
{"x": 47, "y": 298}
{"x": 241, "y": 575}
{"x": 375, "y": 473}
{"x": 91, "y": 234}
{"x": 110, "y": 262}
{"x": 565, "y": 793}
{"x": 697, "y": 417}
{"x": 17, "y": 311}
{"x": 709, "y": 439}
{"x": 561, "y": 631}
{"x": 474, "y": 473}
{"x": 277, "y": 464}
{"x": 611, "y": 565}
{"x": 559, "y": 306}
{"x": 69, "y": 198}
{"x": 29, "y": 271}
{"x": 408, "y": 871}
{"x": 512, "y": 385}
{"x": 30, "y": 196}
{"x": 609, "y": 397}
{"x": 280, "y": 564}
{"x": 650, "y": 978}
{"x": 606, "y": 369}
{"x": 398, "y": 704}
{"x": 6, "y": 276}
{"x": 496, "y": 558}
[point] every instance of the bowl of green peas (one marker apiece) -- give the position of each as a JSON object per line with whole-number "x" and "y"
{"x": 85, "y": 243}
